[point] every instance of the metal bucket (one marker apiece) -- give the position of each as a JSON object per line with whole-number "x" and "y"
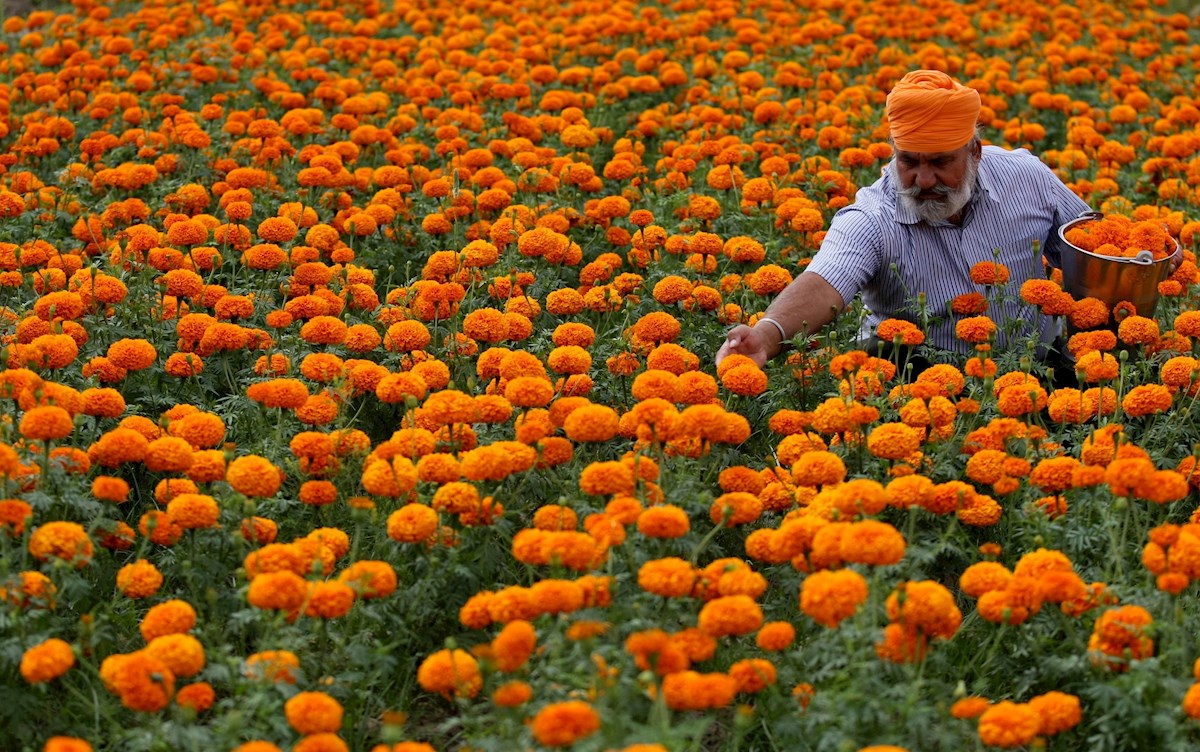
{"x": 1111, "y": 279}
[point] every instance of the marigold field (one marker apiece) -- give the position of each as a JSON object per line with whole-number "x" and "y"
{"x": 359, "y": 385}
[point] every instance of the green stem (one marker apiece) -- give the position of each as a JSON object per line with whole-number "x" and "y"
{"x": 708, "y": 538}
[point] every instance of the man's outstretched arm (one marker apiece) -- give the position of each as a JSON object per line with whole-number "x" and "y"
{"x": 805, "y": 306}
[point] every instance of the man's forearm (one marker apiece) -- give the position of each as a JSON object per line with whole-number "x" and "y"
{"x": 806, "y": 305}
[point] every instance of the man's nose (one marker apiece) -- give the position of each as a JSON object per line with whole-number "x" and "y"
{"x": 926, "y": 178}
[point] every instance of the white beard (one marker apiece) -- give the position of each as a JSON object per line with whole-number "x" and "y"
{"x": 938, "y": 210}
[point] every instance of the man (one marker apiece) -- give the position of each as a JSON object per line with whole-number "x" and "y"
{"x": 944, "y": 203}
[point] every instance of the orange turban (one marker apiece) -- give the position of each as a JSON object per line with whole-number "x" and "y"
{"x": 931, "y": 112}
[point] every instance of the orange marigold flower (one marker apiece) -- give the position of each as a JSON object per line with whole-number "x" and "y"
{"x": 514, "y": 645}
{"x": 281, "y": 591}
{"x": 730, "y": 615}
{"x": 663, "y": 521}
{"x": 192, "y": 511}
{"x": 815, "y": 468}
{"x": 1119, "y": 635}
{"x": 406, "y": 336}
{"x": 139, "y": 579}
{"x": 860, "y": 496}
{"x": 198, "y": 697}
{"x": 1138, "y": 330}
{"x": 969, "y": 304}
{"x": 927, "y": 607}
{"x": 591, "y": 423}
{"x": 370, "y": 579}
{"x": 184, "y": 365}
{"x": 529, "y": 391}
{"x": 871, "y": 542}
{"x": 753, "y": 674}
{"x": 200, "y": 430}
{"x": 47, "y": 351}
{"x": 313, "y": 713}
{"x": 975, "y": 329}
{"x": 168, "y": 454}
{"x": 46, "y": 423}
{"x": 170, "y": 617}
{"x": 450, "y": 672}
{"x": 1008, "y": 724}
{"x": 671, "y": 577}
{"x": 1097, "y": 366}
{"x": 1191, "y": 701}
{"x": 1057, "y": 711}
{"x": 159, "y": 527}
{"x": 324, "y": 330}
{"x": 735, "y": 508}
{"x": 317, "y": 493}
{"x": 14, "y": 513}
{"x": 47, "y": 660}
{"x": 132, "y": 354}
{"x": 561, "y": 724}
{"x": 281, "y": 393}
{"x": 690, "y": 690}
{"x": 142, "y": 681}
{"x": 66, "y": 744}
{"x": 1040, "y": 292}
{"x": 102, "y": 402}
{"x": 989, "y": 273}
{"x": 603, "y": 478}
{"x": 277, "y": 230}
{"x": 775, "y": 636}
{"x": 253, "y": 475}
{"x": 182, "y": 653}
{"x": 970, "y": 707}
{"x": 272, "y": 665}
{"x": 747, "y": 380}
{"x": 412, "y": 523}
{"x": 61, "y": 540}
{"x": 1089, "y": 313}
{"x": 908, "y": 333}
{"x": 984, "y": 576}
{"x": 829, "y": 597}
{"x": 893, "y": 441}
{"x": 509, "y": 695}
{"x": 1147, "y": 399}
{"x": 657, "y": 327}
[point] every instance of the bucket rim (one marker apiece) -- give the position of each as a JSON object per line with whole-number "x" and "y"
{"x": 1094, "y": 216}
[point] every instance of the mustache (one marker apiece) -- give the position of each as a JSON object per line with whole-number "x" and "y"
{"x": 913, "y": 190}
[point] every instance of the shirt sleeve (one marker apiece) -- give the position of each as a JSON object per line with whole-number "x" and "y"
{"x": 850, "y": 254}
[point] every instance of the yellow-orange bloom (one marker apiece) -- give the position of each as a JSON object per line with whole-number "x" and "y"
{"x": 47, "y": 660}
{"x": 253, "y": 475}
{"x": 829, "y": 597}
{"x": 1008, "y": 724}
{"x": 450, "y": 672}
{"x": 561, "y": 724}
{"x": 313, "y": 713}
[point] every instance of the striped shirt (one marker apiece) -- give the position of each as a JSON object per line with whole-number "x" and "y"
{"x": 882, "y": 250}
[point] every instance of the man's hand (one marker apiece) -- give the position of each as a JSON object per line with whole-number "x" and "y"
{"x": 1177, "y": 258}
{"x": 804, "y": 306}
{"x": 758, "y": 344}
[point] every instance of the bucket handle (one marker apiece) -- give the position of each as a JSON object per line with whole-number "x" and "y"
{"x": 1143, "y": 257}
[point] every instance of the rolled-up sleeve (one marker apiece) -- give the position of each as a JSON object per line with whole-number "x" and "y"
{"x": 851, "y": 253}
